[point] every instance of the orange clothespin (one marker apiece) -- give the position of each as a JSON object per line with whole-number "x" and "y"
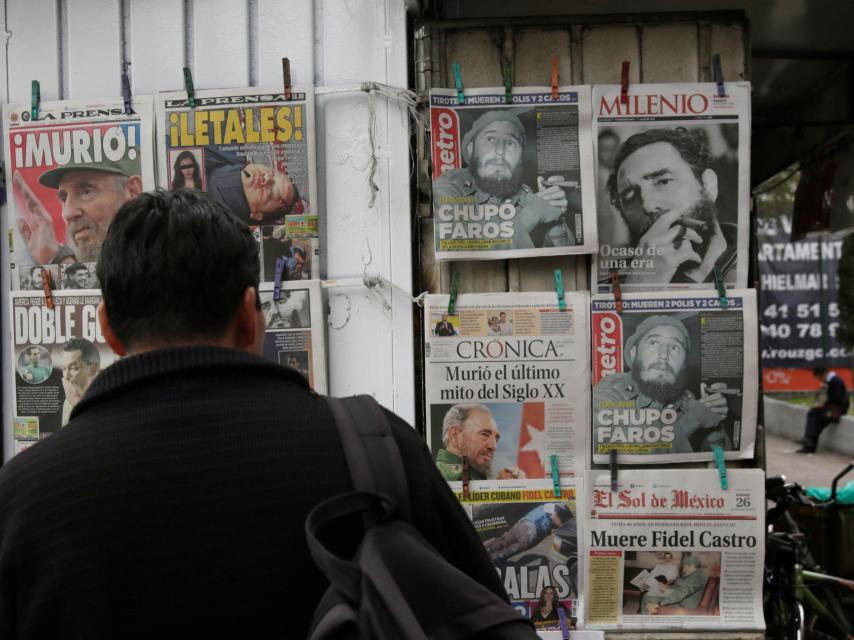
{"x": 624, "y": 85}
{"x": 555, "y": 78}
{"x": 47, "y": 286}
{"x": 286, "y": 77}
{"x": 618, "y": 293}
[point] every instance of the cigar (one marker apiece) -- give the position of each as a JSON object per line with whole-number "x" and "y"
{"x": 729, "y": 392}
{"x": 691, "y": 223}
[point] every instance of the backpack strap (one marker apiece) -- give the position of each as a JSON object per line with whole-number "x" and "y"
{"x": 371, "y": 450}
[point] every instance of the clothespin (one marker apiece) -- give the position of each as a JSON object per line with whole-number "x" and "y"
{"x": 555, "y": 78}
{"x": 277, "y": 278}
{"x": 508, "y": 82}
{"x": 561, "y": 301}
{"x": 718, "y": 75}
{"x": 47, "y": 286}
{"x": 624, "y": 84}
{"x": 455, "y": 287}
{"x": 188, "y": 83}
{"x": 721, "y": 463}
{"x": 612, "y": 464}
{"x": 555, "y": 476}
{"x": 618, "y": 292}
{"x": 2, "y": 187}
{"x": 458, "y": 82}
{"x": 36, "y": 100}
{"x": 466, "y": 478}
{"x": 286, "y": 77}
{"x": 721, "y": 287}
{"x": 126, "y": 88}
{"x": 562, "y": 622}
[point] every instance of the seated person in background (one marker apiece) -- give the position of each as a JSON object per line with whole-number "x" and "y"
{"x": 831, "y": 404}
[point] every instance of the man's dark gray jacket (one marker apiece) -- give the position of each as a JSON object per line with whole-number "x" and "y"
{"x": 173, "y": 504}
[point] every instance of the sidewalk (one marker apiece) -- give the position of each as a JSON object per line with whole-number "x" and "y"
{"x": 809, "y": 470}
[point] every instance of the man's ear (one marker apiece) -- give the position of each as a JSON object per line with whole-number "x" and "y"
{"x": 134, "y": 186}
{"x": 248, "y": 324}
{"x": 710, "y": 184}
{"x": 107, "y": 331}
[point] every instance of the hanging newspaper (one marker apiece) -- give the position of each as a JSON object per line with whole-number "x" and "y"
{"x": 531, "y": 535}
{"x": 512, "y": 180}
{"x": 674, "y": 375}
{"x": 672, "y": 550}
{"x": 507, "y": 380}
{"x": 252, "y": 150}
{"x": 70, "y": 171}
{"x": 673, "y": 185}
{"x": 56, "y": 353}
{"x": 296, "y": 329}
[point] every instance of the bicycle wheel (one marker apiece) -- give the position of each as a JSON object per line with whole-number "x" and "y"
{"x": 812, "y": 634}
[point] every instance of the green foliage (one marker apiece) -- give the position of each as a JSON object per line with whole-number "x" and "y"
{"x": 845, "y": 271}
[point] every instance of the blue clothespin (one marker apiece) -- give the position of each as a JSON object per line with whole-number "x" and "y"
{"x": 721, "y": 287}
{"x": 455, "y": 287}
{"x": 561, "y": 301}
{"x": 188, "y": 83}
{"x": 563, "y": 623}
{"x": 277, "y": 278}
{"x": 612, "y": 464}
{"x": 718, "y": 75}
{"x": 555, "y": 476}
{"x": 719, "y": 460}
{"x": 36, "y": 100}
{"x": 508, "y": 82}
{"x": 126, "y": 89}
{"x": 458, "y": 82}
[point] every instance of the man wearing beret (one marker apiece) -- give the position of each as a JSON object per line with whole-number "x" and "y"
{"x": 492, "y": 150}
{"x": 653, "y": 394}
{"x": 91, "y": 194}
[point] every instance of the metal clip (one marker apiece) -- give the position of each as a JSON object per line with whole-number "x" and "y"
{"x": 618, "y": 292}
{"x": 458, "y": 82}
{"x": 555, "y": 78}
{"x": 624, "y": 84}
{"x": 188, "y": 83}
{"x": 286, "y": 77}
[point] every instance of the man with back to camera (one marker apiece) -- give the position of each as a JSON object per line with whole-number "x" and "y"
{"x": 656, "y": 355}
{"x": 492, "y": 150}
{"x": 173, "y": 503}
{"x": 665, "y": 189}
{"x": 831, "y": 404}
{"x": 90, "y": 193}
{"x": 469, "y": 432}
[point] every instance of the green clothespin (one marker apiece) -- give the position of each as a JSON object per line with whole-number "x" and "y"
{"x": 561, "y": 301}
{"x": 37, "y": 98}
{"x": 555, "y": 476}
{"x": 458, "y": 82}
{"x": 455, "y": 287}
{"x": 719, "y": 460}
{"x": 721, "y": 287}
{"x": 508, "y": 82}
{"x": 188, "y": 83}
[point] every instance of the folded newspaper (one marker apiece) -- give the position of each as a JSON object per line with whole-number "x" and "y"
{"x": 512, "y": 179}
{"x": 507, "y": 384}
{"x": 673, "y": 185}
{"x": 670, "y": 549}
{"x": 674, "y": 375}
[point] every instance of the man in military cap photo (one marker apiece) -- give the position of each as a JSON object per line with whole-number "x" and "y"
{"x": 653, "y": 394}
{"x": 91, "y": 194}
{"x": 492, "y": 150}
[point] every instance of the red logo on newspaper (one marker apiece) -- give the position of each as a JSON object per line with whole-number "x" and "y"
{"x": 445, "y": 128}
{"x": 532, "y": 454}
{"x": 607, "y": 345}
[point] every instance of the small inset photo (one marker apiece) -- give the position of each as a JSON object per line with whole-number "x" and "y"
{"x": 31, "y": 277}
{"x": 672, "y": 583}
{"x": 79, "y": 275}
{"x": 35, "y": 364}
{"x": 445, "y": 326}
{"x": 188, "y": 169}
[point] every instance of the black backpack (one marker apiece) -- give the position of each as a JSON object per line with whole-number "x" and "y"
{"x": 397, "y": 586}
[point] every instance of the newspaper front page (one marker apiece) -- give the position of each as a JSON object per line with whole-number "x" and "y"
{"x": 671, "y": 550}
{"x": 253, "y": 150}
{"x": 512, "y": 180}
{"x": 507, "y": 384}
{"x": 56, "y": 353}
{"x": 69, "y": 171}
{"x": 296, "y": 329}
{"x": 674, "y": 375}
{"x": 673, "y": 185}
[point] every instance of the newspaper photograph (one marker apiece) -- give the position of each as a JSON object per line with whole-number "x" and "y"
{"x": 69, "y": 171}
{"x": 670, "y": 549}
{"x": 507, "y": 383}
{"x": 253, "y": 150}
{"x": 674, "y": 375}
{"x": 56, "y": 353}
{"x": 531, "y": 536}
{"x": 296, "y": 329}
{"x": 512, "y": 180}
{"x": 673, "y": 185}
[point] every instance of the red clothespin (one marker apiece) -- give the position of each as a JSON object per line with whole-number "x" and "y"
{"x": 555, "y": 78}
{"x": 624, "y": 84}
{"x": 466, "y": 478}
{"x": 286, "y": 77}
{"x": 618, "y": 293}
{"x": 47, "y": 286}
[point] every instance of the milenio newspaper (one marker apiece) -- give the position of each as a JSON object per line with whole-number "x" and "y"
{"x": 68, "y": 173}
{"x": 674, "y": 375}
{"x": 512, "y": 179}
{"x": 296, "y": 329}
{"x": 531, "y": 535}
{"x": 673, "y": 185}
{"x": 507, "y": 379}
{"x": 670, "y": 549}
{"x": 254, "y": 151}
{"x": 56, "y": 353}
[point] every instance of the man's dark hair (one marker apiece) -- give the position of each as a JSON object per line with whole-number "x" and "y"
{"x": 88, "y": 353}
{"x": 74, "y": 268}
{"x": 175, "y": 265}
{"x": 692, "y": 146}
{"x": 819, "y": 371}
